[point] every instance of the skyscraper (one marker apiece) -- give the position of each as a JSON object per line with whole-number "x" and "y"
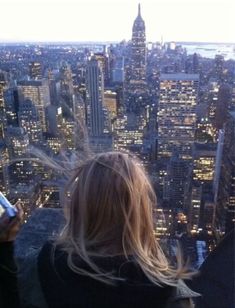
{"x": 138, "y": 49}
{"x": 224, "y": 182}
{"x": 4, "y": 176}
{"x": 222, "y": 105}
{"x": 29, "y": 121}
{"x": 195, "y": 208}
{"x": 95, "y": 98}
{"x": 136, "y": 79}
{"x": 2, "y": 107}
{"x": 17, "y": 142}
{"x": 136, "y": 96}
{"x": 118, "y": 70}
{"x": 176, "y": 185}
{"x": 38, "y": 92}
{"x": 66, "y": 82}
{"x": 12, "y": 106}
{"x": 177, "y": 114}
{"x": 103, "y": 59}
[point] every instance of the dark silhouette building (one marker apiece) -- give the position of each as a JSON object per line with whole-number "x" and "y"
{"x": 216, "y": 281}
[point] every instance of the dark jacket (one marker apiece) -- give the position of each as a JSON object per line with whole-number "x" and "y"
{"x": 8, "y": 277}
{"x": 47, "y": 281}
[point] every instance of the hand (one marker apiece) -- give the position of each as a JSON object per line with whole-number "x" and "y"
{"x": 9, "y": 227}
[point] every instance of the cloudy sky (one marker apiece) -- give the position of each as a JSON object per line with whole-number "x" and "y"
{"x": 111, "y": 20}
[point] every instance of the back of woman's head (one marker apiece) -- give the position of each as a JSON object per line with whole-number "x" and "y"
{"x": 110, "y": 208}
{"x": 110, "y": 212}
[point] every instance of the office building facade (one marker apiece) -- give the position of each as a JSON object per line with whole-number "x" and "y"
{"x": 38, "y": 92}
{"x": 177, "y": 114}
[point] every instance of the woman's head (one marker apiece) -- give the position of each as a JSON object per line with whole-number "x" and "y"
{"x": 110, "y": 212}
{"x": 110, "y": 208}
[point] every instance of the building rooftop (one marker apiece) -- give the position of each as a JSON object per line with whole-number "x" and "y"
{"x": 30, "y": 82}
{"x": 209, "y": 146}
{"x": 180, "y": 76}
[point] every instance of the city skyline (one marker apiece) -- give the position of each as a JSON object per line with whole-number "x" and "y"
{"x": 71, "y": 20}
{"x": 173, "y": 110}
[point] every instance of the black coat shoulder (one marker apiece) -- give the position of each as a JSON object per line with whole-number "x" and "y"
{"x": 63, "y": 287}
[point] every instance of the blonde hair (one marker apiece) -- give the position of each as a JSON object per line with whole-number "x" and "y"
{"x": 109, "y": 212}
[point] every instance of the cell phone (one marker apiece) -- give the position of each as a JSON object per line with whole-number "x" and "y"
{"x": 6, "y": 207}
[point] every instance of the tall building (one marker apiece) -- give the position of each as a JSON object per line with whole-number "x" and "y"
{"x": 54, "y": 87}
{"x": 95, "y": 98}
{"x": 54, "y": 115}
{"x": 208, "y": 214}
{"x": 12, "y": 106}
{"x": 118, "y": 70}
{"x": 66, "y": 83}
{"x": 2, "y": 108}
{"x": 219, "y": 67}
{"x": 224, "y": 182}
{"x": 29, "y": 121}
{"x": 129, "y": 133}
{"x": 213, "y": 99}
{"x": 177, "y": 114}
{"x": 4, "y": 176}
{"x": 232, "y": 107}
{"x": 176, "y": 184}
{"x": 222, "y": 105}
{"x": 103, "y": 59}
{"x": 38, "y": 92}
{"x": 138, "y": 54}
{"x": 195, "y": 208}
{"x": 20, "y": 171}
{"x": 135, "y": 86}
{"x": 67, "y": 131}
{"x": 204, "y": 162}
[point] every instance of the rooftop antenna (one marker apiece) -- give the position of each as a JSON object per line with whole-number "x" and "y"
{"x": 139, "y": 10}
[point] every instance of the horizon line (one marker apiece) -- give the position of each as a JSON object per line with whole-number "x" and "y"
{"x": 105, "y": 42}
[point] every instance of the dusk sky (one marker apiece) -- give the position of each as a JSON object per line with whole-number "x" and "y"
{"x": 111, "y": 20}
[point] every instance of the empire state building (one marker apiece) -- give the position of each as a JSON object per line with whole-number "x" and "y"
{"x": 138, "y": 56}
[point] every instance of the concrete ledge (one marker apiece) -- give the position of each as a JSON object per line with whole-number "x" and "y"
{"x": 42, "y": 225}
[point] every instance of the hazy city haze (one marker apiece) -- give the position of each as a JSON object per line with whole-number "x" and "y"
{"x": 100, "y": 20}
